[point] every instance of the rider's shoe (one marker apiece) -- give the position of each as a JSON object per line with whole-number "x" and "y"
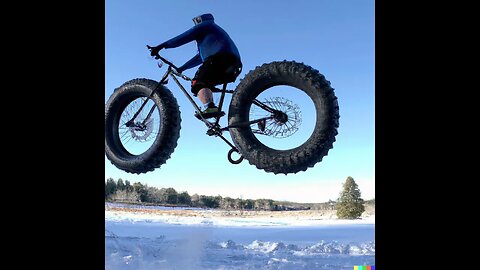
{"x": 210, "y": 112}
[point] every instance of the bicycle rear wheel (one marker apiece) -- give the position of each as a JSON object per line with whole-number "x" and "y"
{"x": 292, "y": 115}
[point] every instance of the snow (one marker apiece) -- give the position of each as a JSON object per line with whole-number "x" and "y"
{"x": 217, "y": 220}
{"x": 164, "y": 240}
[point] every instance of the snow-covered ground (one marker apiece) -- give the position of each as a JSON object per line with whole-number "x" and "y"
{"x": 149, "y": 240}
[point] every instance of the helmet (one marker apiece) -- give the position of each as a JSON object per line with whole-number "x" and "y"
{"x": 203, "y": 17}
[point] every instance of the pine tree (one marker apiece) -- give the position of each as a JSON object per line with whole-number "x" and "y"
{"x": 350, "y": 204}
{"x": 110, "y": 187}
{"x": 120, "y": 184}
{"x": 184, "y": 199}
{"x": 170, "y": 196}
{"x": 128, "y": 187}
{"x": 141, "y": 190}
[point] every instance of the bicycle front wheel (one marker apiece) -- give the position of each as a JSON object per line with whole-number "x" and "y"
{"x": 141, "y": 130}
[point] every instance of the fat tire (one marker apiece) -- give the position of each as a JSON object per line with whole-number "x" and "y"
{"x": 167, "y": 137}
{"x": 304, "y": 78}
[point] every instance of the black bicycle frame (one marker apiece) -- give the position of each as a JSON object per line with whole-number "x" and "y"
{"x": 214, "y": 128}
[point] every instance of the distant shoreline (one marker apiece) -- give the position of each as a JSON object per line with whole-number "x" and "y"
{"x": 179, "y": 215}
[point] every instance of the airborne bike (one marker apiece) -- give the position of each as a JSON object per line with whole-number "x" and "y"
{"x": 142, "y": 119}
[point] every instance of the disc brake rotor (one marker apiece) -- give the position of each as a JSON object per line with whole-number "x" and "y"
{"x": 142, "y": 132}
{"x": 279, "y": 127}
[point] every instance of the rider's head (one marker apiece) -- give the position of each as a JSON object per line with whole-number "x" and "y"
{"x": 202, "y": 18}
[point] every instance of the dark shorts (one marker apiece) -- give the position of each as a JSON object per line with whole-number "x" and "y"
{"x": 216, "y": 69}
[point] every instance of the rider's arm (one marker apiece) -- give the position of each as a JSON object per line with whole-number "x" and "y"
{"x": 195, "y": 61}
{"x": 181, "y": 39}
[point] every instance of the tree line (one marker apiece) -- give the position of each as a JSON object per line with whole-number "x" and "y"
{"x": 125, "y": 192}
{"x": 349, "y": 204}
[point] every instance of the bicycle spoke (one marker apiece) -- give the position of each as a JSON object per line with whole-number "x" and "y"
{"x": 126, "y": 142}
{"x": 124, "y": 133}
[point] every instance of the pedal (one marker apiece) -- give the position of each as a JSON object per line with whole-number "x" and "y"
{"x": 210, "y": 132}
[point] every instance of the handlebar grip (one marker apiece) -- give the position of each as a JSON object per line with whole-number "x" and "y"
{"x": 157, "y": 56}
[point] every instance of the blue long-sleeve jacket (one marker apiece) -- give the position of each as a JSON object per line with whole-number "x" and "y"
{"x": 211, "y": 39}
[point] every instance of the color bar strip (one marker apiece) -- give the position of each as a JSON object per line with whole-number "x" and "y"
{"x": 364, "y": 267}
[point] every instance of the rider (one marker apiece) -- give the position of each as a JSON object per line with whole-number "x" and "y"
{"x": 218, "y": 55}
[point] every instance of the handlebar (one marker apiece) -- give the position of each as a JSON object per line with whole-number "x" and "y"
{"x": 157, "y": 56}
{"x": 170, "y": 66}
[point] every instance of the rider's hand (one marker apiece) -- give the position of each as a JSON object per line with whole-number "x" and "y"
{"x": 154, "y": 50}
{"x": 180, "y": 69}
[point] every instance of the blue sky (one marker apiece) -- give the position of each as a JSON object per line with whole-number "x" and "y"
{"x": 335, "y": 37}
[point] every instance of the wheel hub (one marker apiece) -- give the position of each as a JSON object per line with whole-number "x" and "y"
{"x": 280, "y": 117}
{"x": 141, "y": 131}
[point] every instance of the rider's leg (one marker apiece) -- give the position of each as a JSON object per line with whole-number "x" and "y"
{"x": 200, "y": 88}
{"x": 206, "y": 97}
{"x": 212, "y": 72}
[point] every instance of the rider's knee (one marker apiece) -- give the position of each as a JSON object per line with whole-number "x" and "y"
{"x": 196, "y": 87}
